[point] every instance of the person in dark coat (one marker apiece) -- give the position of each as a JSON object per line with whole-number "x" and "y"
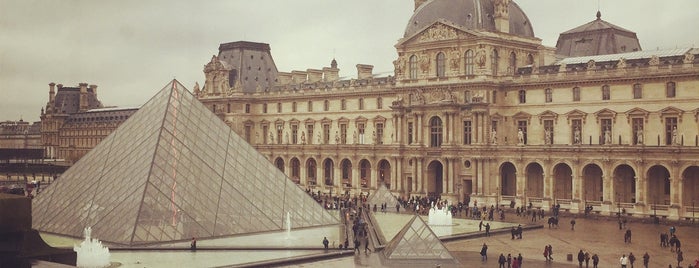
{"x": 646, "y": 260}
{"x": 325, "y": 242}
{"x": 595, "y": 260}
{"x": 484, "y": 252}
{"x": 581, "y": 258}
{"x": 501, "y": 261}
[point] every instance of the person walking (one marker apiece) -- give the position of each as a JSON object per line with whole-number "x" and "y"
{"x": 680, "y": 258}
{"x": 632, "y": 259}
{"x": 572, "y": 224}
{"x": 193, "y": 244}
{"x": 520, "y": 260}
{"x": 487, "y": 229}
{"x": 366, "y": 245}
{"x": 502, "y": 260}
{"x": 325, "y": 242}
{"x": 546, "y": 252}
{"x": 646, "y": 260}
{"x": 623, "y": 260}
{"x": 356, "y": 245}
{"x": 509, "y": 260}
{"x": 595, "y": 260}
{"x": 587, "y": 259}
{"x": 581, "y": 258}
{"x": 484, "y": 252}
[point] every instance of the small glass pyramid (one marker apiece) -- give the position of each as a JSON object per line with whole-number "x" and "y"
{"x": 381, "y": 196}
{"x": 171, "y": 172}
{"x": 416, "y": 241}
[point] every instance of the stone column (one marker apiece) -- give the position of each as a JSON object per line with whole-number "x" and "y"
{"x": 356, "y": 180}
{"x": 374, "y": 171}
{"x": 303, "y": 175}
{"x": 399, "y": 174}
{"x": 420, "y": 174}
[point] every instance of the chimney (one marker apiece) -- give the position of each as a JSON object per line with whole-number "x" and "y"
{"x": 52, "y": 92}
{"x": 502, "y": 15}
{"x": 299, "y": 77}
{"x": 314, "y": 75}
{"x": 94, "y": 89}
{"x": 284, "y": 78}
{"x": 83, "y": 97}
{"x": 331, "y": 74}
{"x": 418, "y": 3}
{"x": 364, "y": 71}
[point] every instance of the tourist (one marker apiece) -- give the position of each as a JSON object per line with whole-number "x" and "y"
{"x": 646, "y": 260}
{"x": 595, "y": 260}
{"x": 487, "y": 229}
{"x": 632, "y": 259}
{"x": 587, "y": 259}
{"x": 484, "y": 252}
{"x": 509, "y": 260}
{"x": 325, "y": 242}
{"x": 680, "y": 258}
{"x": 623, "y": 261}
{"x": 519, "y": 231}
{"x": 356, "y": 245}
{"x": 366, "y": 244}
{"x": 581, "y": 258}
{"x": 546, "y": 252}
{"x": 501, "y": 261}
{"x": 193, "y": 244}
{"x": 512, "y": 232}
{"x": 627, "y": 236}
{"x": 480, "y": 226}
{"x": 346, "y": 243}
{"x": 520, "y": 260}
{"x": 572, "y": 224}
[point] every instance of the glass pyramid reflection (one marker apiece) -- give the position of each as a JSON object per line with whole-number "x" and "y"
{"x": 171, "y": 172}
{"x": 381, "y": 196}
{"x": 416, "y": 241}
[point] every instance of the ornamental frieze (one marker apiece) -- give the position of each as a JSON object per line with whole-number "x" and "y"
{"x": 438, "y": 32}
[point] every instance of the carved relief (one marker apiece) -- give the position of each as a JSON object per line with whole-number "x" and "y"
{"x": 438, "y": 32}
{"x": 654, "y": 60}
{"x": 455, "y": 59}
{"x": 591, "y": 65}
{"x": 480, "y": 58}
{"x": 399, "y": 65}
{"x": 425, "y": 62}
{"x": 562, "y": 68}
{"x": 418, "y": 97}
{"x": 621, "y": 64}
{"x": 688, "y": 58}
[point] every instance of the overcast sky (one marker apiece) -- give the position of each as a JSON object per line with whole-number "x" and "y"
{"x": 132, "y": 48}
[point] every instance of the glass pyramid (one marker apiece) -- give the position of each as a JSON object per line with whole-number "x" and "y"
{"x": 416, "y": 241}
{"x": 171, "y": 172}
{"x": 383, "y": 195}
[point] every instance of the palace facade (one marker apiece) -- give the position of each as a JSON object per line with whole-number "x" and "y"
{"x": 477, "y": 106}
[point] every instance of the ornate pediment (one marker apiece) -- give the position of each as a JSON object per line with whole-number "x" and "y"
{"x": 671, "y": 112}
{"x": 438, "y": 31}
{"x": 548, "y": 114}
{"x": 379, "y": 119}
{"x": 326, "y": 120}
{"x": 576, "y": 114}
{"x": 605, "y": 113}
{"x": 294, "y": 121}
{"x": 496, "y": 116}
{"x": 636, "y": 113}
{"x": 342, "y": 120}
{"x": 264, "y": 122}
{"x": 522, "y": 116}
{"x": 310, "y": 121}
{"x": 279, "y": 121}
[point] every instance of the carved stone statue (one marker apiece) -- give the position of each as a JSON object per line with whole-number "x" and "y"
{"x": 303, "y": 137}
{"x": 547, "y": 136}
{"x": 621, "y": 64}
{"x": 688, "y": 58}
{"x": 639, "y": 136}
{"x": 337, "y": 137}
{"x": 286, "y": 138}
{"x": 319, "y": 140}
{"x": 455, "y": 59}
{"x": 399, "y": 66}
{"x": 674, "y": 136}
{"x": 520, "y": 136}
{"x": 607, "y": 136}
{"x": 576, "y": 136}
{"x": 271, "y": 138}
{"x": 424, "y": 63}
{"x": 591, "y": 65}
{"x": 480, "y": 58}
{"x": 494, "y": 137}
{"x": 373, "y": 136}
{"x": 257, "y": 137}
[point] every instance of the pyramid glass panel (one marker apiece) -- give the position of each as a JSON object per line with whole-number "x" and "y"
{"x": 383, "y": 196}
{"x": 173, "y": 171}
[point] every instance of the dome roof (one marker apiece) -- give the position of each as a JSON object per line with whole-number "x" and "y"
{"x": 468, "y": 14}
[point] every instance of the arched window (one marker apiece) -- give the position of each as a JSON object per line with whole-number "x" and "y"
{"x": 328, "y": 172}
{"x": 530, "y": 59}
{"x": 311, "y": 171}
{"x": 605, "y": 92}
{"x": 576, "y": 94}
{"x": 549, "y": 95}
{"x": 469, "y": 62}
{"x": 435, "y": 132}
{"x": 441, "y": 64}
{"x": 494, "y": 62}
{"x": 346, "y": 170}
{"x": 412, "y": 65}
{"x": 295, "y": 170}
{"x": 670, "y": 89}
{"x": 513, "y": 63}
{"x": 522, "y": 96}
{"x": 279, "y": 162}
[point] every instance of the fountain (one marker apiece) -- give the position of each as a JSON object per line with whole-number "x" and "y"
{"x": 91, "y": 253}
{"x": 288, "y": 224}
{"x": 439, "y": 216}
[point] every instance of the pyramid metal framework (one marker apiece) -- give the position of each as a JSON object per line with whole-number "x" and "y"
{"x": 381, "y": 196}
{"x": 416, "y": 241}
{"x": 171, "y": 172}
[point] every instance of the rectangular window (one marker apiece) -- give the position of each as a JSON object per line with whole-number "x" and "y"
{"x": 671, "y": 131}
{"x": 293, "y": 107}
{"x": 326, "y": 133}
{"x": 670, "y": 89}
{"x": 310, "y": 106}
{"x": 294, "y": 134}
{"x": 265, "y": 134}
{"x": 326, "y": 105}
{"x": 522, "y": 96}
{"x": 248, "y": 130}
{"x": 637, "y": 128}
{"x": 264, "y": 108}
{"x": 549, "y": 95}
{"x": 467, "y": 132}
{"x": 309, "y": 129}
{"x": 361, "y": 104}
{"x": 522, "y": 126}
{"x": 606, "y": 128}
{"x": 606, "y": 94}
{"x": 343, "y": 133}
{"x": 495, "y": 97}
{"x": 637, "y": 91}
{"x": 410, "y": 132}
{"x": 279, "y": 107}
{"x": 576, "y": 94}
{"x": 343, "y": 104}
{"x": 576, "y": 127}
{"x": 247, "y": 108}
{"x": 467, "y": 96}
{"x": 379, "y": 133}
{"x": 361, "y": 128}
{"x": 280, "y": 129}
{"x": 548, "y": 132}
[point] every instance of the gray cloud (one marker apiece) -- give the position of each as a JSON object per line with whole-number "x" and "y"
{"x": 131, "y": 49}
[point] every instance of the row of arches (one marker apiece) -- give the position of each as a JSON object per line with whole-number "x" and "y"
{"x": 346, "y": 174}
{"x": 621, "y": 186}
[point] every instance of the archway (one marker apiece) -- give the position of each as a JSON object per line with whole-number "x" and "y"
{"x": 563, "y": 181}
{"x": 593, "y": 187}
{"x": 535, "y": 180}
{"x": 625, "y": 184}
{"x": 311, "y": 171}
{"x": 435, "y": 179}
{"x": 346, "y": 172}
{"x": 328, "y": 172}
{"x": 385, "y": 173}
{"x": 279, "y": 162}
{"x": 690, "y": 183}
{"x": 508, "y": 179}
{"x": 658, "y": 185}
{"x": 295, "y": 170}
{"x": 365, "y": 173}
